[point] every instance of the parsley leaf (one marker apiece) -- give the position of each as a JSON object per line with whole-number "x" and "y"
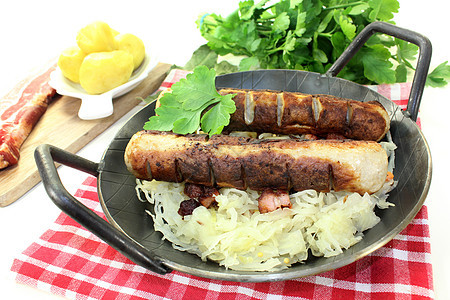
{"x": 181, "y": 111}
{"x": 439, "y": 76}
{"x": 249, "y": 63}
{"x": 167, "y": 114}
{"x": 406, "y": 51}
{"x": 206, "y": 57}
{"x": 281, "y": 22}
{"x": 401, "y": 73}
{"x": 197, "y": 89}
{"x": 383, "y": 9}
{"x": 358, "y": 9}
{"x": 202, "y": 56}
{"x": 248, "y": 8}
{"x": 377, "y": 67}
{"x": 215, "y": 119}
{"x": 347, "y": 27}
{"x": 188, "y": 124}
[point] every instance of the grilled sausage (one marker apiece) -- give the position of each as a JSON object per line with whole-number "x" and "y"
{"x": 297, "y": 113}
{"x": 229, "y": 161}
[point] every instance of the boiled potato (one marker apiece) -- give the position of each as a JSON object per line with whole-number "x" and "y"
{"x": 103, "y": 59}
{"x": 96, "y": 37}
{"x": 103, "y": 71}
{"x": 70, "y": 61}
{"x": 114, "y": 32}
{"x": 133, "y": 45}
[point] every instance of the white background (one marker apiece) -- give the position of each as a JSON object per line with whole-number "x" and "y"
{"x": 34, "y": 32}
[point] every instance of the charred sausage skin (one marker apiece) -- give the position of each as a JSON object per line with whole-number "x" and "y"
{"x": 229, "y": 161}
{"x": 297, "y": 113}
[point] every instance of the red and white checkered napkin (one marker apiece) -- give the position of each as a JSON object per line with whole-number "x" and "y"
{"x": 70, "y": 261}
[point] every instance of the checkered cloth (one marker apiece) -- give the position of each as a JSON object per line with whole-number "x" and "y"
{"x": 69, "y": 261}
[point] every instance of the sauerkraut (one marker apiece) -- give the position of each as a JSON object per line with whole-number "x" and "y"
{"x": 237, "y": 236}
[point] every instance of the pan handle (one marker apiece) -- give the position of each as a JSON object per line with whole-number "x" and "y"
{"x": 423, "y": 62}
{"x": 46, "y": 156}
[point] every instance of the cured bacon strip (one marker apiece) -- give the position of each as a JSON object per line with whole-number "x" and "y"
{"x": 20, "y": 110}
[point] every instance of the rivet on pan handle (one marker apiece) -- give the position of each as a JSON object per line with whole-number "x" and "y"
{"x": 46, "y": 156}
{"x": 423, "y": 62}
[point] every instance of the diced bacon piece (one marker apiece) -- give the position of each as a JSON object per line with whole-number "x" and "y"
{"x": 187, "y": 207}
{"x": 193, "y": 190}
{"x": 207, "y": 201}
{"x": 270, "y": 200}
{"x": 209, "y": 196}
{"x": 204, "y": 194}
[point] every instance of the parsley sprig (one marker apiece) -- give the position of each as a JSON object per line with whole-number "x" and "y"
{"x": 193, "y": 103}
{"x": 309, "y": 35}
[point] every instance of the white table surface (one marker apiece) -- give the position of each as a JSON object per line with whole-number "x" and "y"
{"x": 33, "y": 32}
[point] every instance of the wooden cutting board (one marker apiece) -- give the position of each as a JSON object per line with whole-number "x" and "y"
{"x": 60, "y": 126}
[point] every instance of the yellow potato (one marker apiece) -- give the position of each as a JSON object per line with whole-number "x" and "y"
{"x": 103, "y": 71}
{"x": 96, "y": 37}
{"x": 133, "y": 45}
{"x": 70, "y": 61}
{"x": 114, "y": 32}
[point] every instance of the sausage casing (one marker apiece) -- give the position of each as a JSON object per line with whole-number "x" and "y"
{"x": 229, "y": 161}
{"x": 297, "y": 113}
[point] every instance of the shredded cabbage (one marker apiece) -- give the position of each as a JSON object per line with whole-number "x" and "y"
{"x": 237, "y": 236}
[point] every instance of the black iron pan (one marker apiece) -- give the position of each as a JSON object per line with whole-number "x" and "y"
{"x": 130, "y": 229}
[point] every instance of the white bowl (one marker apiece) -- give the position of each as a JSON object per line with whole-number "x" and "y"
{"x": 99, "y": 106}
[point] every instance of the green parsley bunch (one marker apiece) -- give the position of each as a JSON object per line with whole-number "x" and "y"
{"x": 309, "y": 35}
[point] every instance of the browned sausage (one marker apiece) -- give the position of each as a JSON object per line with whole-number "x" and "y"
{"x": 228, "y": 161}
{"x": 297, "y": 113}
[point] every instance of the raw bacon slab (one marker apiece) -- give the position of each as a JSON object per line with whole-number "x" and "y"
{"x": 20, "y": 110}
